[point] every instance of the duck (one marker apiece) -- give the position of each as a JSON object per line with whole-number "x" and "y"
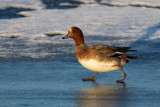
{"x": 99, "y": 58}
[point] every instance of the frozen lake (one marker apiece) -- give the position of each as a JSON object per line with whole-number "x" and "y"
{"x": 58, "y": 83}
{"x": 38, "y": 68}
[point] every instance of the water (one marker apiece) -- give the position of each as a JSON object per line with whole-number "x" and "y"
{"x": 38, "y": 68}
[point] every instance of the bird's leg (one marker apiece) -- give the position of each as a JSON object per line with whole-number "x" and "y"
{"x": 90, "y": 79}
{"x": 124, "y": 76}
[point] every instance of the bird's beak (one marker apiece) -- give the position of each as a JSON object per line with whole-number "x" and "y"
{"x": 65, "y": 37}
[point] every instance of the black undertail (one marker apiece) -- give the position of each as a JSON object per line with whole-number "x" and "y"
{"x": 129, "y": 58}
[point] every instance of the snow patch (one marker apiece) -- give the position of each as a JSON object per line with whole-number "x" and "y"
{"x": 140, "y": 4}
{"x": 137, "y": 4}
{"x": 114, "y": 4}
{"x": 132, "y": 27}
{"x": 55, "y": 33}
{"x": 10, "y": 35}
{"x": 22, "y": 7}
{"x": 25, "y": 14}
{"x": 14, "y": 11}
{"x": 40, "y": 35}
{"x": 145, "y": 4}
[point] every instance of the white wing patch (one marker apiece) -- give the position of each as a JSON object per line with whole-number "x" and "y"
{"x": 119, "y": 52}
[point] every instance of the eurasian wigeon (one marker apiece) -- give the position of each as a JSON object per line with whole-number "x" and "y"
{"x": 99, "y": 58}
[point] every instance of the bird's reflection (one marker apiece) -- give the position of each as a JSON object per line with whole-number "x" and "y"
{"x": 111, "y": 95}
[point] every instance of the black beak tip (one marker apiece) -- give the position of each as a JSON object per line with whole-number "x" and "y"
{"x": 63, "y": 38}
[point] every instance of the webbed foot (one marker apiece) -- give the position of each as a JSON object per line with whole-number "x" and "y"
{"x": 93, "y": 78}
{"x": 122, "y": 80}
{"x": 89, "y": 79}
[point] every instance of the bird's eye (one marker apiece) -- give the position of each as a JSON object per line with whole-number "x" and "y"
{"x": 73, "y": 31}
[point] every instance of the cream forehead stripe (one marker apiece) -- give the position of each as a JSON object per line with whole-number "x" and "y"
{"x": 70, "y": 30}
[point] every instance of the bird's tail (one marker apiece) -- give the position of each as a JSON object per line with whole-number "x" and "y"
{"x": 130, "y": 51}
{"x": 124, "y": 49}
{"x": 129, "y": 58}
